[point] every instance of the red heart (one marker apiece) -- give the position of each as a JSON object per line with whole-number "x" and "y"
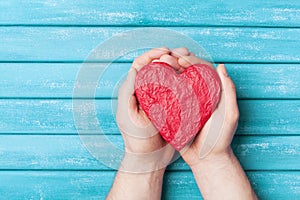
{"x": 178, "y": 104}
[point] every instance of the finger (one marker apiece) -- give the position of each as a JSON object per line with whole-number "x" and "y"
{"x": 186, "y": 61}
{"x": 228, "y": 89}
{"x": 149, "y": 56}
{"x": 171, "y": 61}
{"x": 179, "y": 52}
{"x": 191, "y": 54}
{"x": 126, "y": 98}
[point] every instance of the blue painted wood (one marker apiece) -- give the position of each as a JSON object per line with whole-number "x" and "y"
{"x": 57, "y": 80}
{"x": 259, "y": 117}
{"x": 267, "y": 185}
{"x": 49, "y": 152}
{"x": 223, "y": 44}
{"x": 95, "y": 185}
{"x": 154, "y": 13}
{"x": 42, "y": 43}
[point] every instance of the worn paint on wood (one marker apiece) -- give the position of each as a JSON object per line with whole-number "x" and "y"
{"x": 50, "y": 152}
{"x": 74, "y": 44}
{"x": 43, "y": 42}
{"x": 33, "y": 116}
{"x": 57, "y": 80}
{"x": 96, "y": 184}
{"x": 155, "y": 13}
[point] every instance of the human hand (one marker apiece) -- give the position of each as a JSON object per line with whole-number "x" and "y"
{"x": 216, "y": 169}
{"x": 140, "y": 175}
{"x": 213, "y": 141}
{"x": 143, "y": 143}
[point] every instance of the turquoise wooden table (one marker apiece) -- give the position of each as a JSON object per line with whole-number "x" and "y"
{"x": 43, "y": 45}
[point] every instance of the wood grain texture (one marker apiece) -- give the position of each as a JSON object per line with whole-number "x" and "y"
{"x": 75, "y": 43}
{"x": 44, "y": 42}
{"x": 57, "y": 80}
{"x": 95, "y": 185}
{"x": 36, "y": 152}
{"x": 154, "y": 13}
{"x": 259, "y": 117}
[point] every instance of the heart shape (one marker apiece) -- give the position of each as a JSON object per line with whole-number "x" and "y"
{"x": 178, "y": 104}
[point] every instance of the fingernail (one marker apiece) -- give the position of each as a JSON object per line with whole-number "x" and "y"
{"x": 224, "y": 70}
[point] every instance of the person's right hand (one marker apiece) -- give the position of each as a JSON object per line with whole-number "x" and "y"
{"x": 217, "y": 171}
{"x": 213, "y": 141}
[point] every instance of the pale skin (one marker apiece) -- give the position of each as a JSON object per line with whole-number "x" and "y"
{"x": 218, "y": 174}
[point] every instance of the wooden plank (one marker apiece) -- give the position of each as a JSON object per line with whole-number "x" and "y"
{"x": 25, "y": 116}
{"x": 36, "y": 152}
{"x": 269, "y": 117}
{"x": 267, "y": 185}
{"x": 95, "y": 185}
{"x": 156, "y": 13}
{"x": 75, "y": 43}
{"x": 57, "y": 80}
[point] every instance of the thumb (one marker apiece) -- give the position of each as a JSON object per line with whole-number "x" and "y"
{"x": 131, "y": 80}
{"x": 228, "y": 90}
{"x": 126, "y": 92}
{"x": 227, "y": 84}
{"x": 214, "y": 128}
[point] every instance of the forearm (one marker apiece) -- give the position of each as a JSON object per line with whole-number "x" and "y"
{"x": 223, "y": 178}
{"x": 141, "y": 185}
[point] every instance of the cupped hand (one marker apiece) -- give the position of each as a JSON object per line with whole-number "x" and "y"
{"x": 213, "y": 141}
{"x": 144, "y": 146}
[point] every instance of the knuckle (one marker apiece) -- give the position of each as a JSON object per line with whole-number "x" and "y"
{"x": 233, "y": 87}
{"x": 236, "y": 115}
{"x": 233, "y": 116}
{"x": 138, "y": 62}
{"x": 121, "y": 90}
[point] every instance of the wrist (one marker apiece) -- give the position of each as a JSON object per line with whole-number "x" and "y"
{"x": 221, "y": 176}
{"x": 214, "y": 160}
{"x": 142, "y": 164}
{"x": 146, "y": 177}
{"x": 143, "y": 185}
